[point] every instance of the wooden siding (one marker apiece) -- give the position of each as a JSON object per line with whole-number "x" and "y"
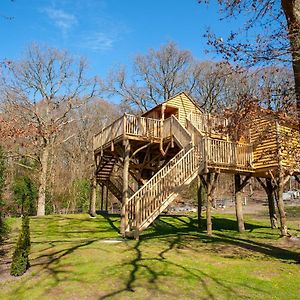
{"x": 289, "y": 146}
{"x": 185, "y": 106}
{"x": 263, "y": 136}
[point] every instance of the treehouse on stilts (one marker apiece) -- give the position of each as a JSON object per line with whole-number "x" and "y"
{"x": 145, "y": 160}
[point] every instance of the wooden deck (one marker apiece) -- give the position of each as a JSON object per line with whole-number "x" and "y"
{"x": 219, "y": 153}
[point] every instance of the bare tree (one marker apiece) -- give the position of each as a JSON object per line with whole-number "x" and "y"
{"x": 41, "y": 91}
{"x": 278, "y": 40}
{"x": 156, "y": 76}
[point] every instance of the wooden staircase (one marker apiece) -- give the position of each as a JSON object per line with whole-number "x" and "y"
{"x": 105, "y": 176}
{"x": 154, "y": 197}
{"x": 105, "y": 167}
{"x": 115, "y": 186}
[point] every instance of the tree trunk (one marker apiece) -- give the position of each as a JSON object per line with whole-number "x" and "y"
{"x": 271, "y": 203}
{"x": 43, "y": 182}
{"x": 210, "y": 191}
{"x": 291, "y": 10}
{"x": 280, "y": 205}
{"x": 238, "y": 203}
{"x": 92, "y": 210}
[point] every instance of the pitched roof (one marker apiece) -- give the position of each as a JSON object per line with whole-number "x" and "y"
{"x": 184, "y": 93}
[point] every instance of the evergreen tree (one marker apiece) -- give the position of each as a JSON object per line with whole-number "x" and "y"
{"x": 20, "y": 261}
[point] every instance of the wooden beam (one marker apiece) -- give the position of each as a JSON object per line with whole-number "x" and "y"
{"x": 208, "y": 205}
{"x": 102, "y": 195}
{"x": 262, "y": 183}
{"x": 124, "y": 210}
{"x": 205, "y": 185}
{"x": 106, "y": 199}
{"x": 139, "y": 149}
{"x": 245, "y": 181}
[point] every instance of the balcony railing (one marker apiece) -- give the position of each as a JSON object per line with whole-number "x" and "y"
{"x": 225, "y": 153}
{"x": 207, "y": 123}
{"x": 129, "y": 125}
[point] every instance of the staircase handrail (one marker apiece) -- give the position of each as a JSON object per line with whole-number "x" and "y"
{"x": 165, "y": 169}
{"x": 179, "y": 132}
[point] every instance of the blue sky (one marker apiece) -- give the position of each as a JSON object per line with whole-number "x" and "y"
{"x": 106, "y": 32}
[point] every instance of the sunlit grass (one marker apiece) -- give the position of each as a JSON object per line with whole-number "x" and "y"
{"x": 172, "y": 260}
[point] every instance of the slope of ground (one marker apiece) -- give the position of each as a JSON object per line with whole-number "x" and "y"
{"x": 76, "y": 257}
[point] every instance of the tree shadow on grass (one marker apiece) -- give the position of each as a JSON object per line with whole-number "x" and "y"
{"x": 61, "y": 243}
{"x": 176, "y": 232}
{"x": 143, "y": 266}
{"x": 111, "y": 222}
{"x": 165, "y": 227}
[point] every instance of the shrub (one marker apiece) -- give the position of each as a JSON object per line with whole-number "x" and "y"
{"x": 20, "y": 261}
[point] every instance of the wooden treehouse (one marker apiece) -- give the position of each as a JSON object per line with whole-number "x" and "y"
{"x": 145, "y": 160}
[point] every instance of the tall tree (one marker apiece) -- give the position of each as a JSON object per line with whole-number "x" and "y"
{"x": 41, "y": 91}
{"x": 278, "y": 39}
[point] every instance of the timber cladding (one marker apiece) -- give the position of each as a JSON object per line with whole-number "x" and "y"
{"x": 274, "y": 142}
{"x": 263, "y": 136}
{"x": 288, "y": 139}
{"x": 185, "y": 106}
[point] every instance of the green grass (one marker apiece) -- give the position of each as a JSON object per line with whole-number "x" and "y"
{"x": 172, "y": 260}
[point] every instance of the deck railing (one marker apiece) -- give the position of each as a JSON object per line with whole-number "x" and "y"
{"x": 229, "y": 154}
{"x": 141, "y": 126}
{"x": 208, "y": 124}
{"x": 221, "y": 152}
{"x": 128, "y": 125}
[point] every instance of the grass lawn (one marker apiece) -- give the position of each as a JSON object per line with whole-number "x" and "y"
{"x": 71, "y": 258}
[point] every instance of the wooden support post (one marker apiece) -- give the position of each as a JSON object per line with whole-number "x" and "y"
{"x": 102, "y": 196}
{"x": 238, "y": 187}
{"x": 124, "y": 210}
{"x": 93, "y": 198}
{"x": 106, "y": 200}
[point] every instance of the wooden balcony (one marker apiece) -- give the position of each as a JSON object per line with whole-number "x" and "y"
{"x": 130, "y": 126}
{"x": 228, "y": 155}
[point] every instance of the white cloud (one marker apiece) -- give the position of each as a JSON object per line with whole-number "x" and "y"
{"x": 98, "y": 41}
{"x": 63, "y": 20}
